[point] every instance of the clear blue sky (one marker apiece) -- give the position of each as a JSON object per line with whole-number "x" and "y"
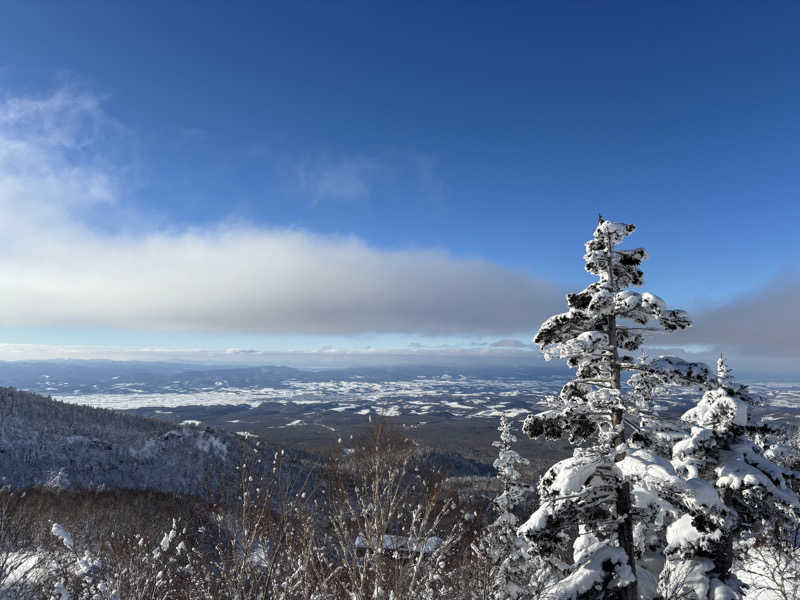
{"x": 487, "y": 131}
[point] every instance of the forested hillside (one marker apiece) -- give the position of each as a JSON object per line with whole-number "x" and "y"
{"x": 44, "y": 442}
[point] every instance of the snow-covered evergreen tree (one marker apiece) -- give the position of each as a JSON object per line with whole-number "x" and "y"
{"x": 724, "y": 372}
{"x": 501, "y": 547}
{"x": 585, "y": 499}
{"x": 729, "y": 449}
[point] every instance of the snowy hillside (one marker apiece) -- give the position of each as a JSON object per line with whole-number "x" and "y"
{"x": 50, "y": 443}
{"x": 45, "y": 442}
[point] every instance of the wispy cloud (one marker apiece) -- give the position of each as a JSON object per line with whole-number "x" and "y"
{"x": 51, "y": 170}
{"x": 343, "y": 179}
{"x": 224, "y": 278}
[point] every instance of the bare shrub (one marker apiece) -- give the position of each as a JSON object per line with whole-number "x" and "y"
{"x": 17, "y": 558}
{"x": 771, "y": 565}
{"x": 391, "y": 525}
{"x": 266, "y": 546}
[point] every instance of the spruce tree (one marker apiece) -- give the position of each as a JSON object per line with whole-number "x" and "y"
{"x": 500, "y": 546}
{"x": 586, "y": 499}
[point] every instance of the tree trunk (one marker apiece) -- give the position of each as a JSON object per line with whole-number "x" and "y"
{"x": 625, "y": 533}
{"x": 624, "y": 504}
{"x": 625, "y": 527}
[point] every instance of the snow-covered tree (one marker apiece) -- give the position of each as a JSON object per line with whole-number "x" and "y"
{"x": 510, "y": 568}
{"x": 731, "y": 451}
{"x": 724, "y": 372}
{"x": 586, "y": 499}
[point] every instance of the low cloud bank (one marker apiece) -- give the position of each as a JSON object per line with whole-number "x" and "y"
{"x": 765, "y": 322}
{"x": 251, "y": 280}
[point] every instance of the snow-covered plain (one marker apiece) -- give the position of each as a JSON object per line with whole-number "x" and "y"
{"x": 461, "y": 396}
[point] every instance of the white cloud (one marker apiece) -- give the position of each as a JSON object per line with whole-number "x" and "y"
{"x": 59, "y": 271}
{"x": 246, "y": 279}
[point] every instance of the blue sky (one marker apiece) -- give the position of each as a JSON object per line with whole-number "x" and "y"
{"x": 427, "y": 172}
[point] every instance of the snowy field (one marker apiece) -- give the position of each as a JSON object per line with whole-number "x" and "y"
{"x": 461, "y": 396}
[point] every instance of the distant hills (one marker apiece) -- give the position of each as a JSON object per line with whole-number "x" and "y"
{"x": 54, "y": 377}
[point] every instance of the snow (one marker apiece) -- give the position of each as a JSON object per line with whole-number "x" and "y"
{"x": 591, "y": 572}
{"x": 627, "y": 300}
{"x": 401, "y": 543}
{"x": 589, "y": 340}
{"x": 653, "y": 303}
{"x": 63, "y": 593}
{"x": 692, "y": 574}
{"x": 17, "y": 565}
{"x": 735, "y": 471}
{"x": 167, "y": 539}
{"x": 572, "y": 474}
{"x": 450, "y": 404}
{"x": 616, "y": 232}
{"x": 537, "y": 521}
{"x": 648, "y": 466}
{"x": 58, "y": 531}
{"x": 682, "y": 533}
{"x": 718, "y": 409}
{"x": 470, "y": 396}
{"x": 702, "y": 495}
{"x": 653, "y": 471}
{"x": 677, "y": 370}
{"x": 494, "y": 412}
{"x": 209, "y": 443}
